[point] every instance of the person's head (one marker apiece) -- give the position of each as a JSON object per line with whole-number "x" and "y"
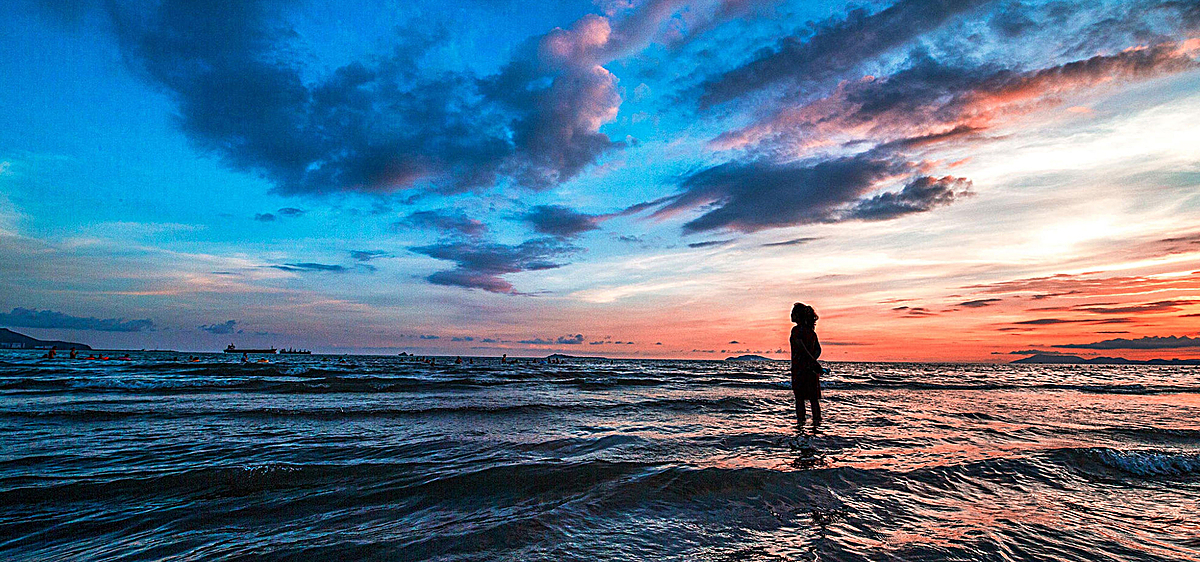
{"x": 804, "y": 315}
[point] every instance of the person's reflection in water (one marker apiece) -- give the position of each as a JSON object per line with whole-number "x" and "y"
{"x": 806, "y": 371}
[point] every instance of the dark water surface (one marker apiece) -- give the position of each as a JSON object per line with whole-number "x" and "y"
{"x": 308, "y": 458}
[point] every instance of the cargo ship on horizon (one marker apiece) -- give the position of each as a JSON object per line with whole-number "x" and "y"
{"x": 234, "y": 349}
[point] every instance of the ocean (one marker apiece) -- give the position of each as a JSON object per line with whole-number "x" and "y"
{"x": 386, "y": 458}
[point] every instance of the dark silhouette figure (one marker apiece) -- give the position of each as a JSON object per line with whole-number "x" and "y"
{"x": 806, "y": 370}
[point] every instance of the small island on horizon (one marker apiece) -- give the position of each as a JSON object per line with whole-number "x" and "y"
{"x": 750, "y": 358}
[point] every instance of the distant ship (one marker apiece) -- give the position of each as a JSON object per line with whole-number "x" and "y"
{"x": 232, "y": 349}
{"x": 295, "y": 352}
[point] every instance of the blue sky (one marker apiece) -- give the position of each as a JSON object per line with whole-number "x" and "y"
{"x": 662, "y": 177}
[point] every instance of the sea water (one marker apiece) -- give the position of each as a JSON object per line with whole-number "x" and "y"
{"x": 387, "y": 458}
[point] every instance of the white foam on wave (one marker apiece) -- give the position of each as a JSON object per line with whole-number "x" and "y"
{"x": 1150, "y": 463}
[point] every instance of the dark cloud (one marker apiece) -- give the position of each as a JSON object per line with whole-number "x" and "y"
{"x": 833, "y": 47}
{"x": 559, "y": 98}
{"x": 311, "y": 267}
{"x": 756, "y": 195}
{"x": 286, "y": 212}
{"x": 920, "y": 195}
{"x": 226, "y": 327}
{"x": 392, "y": 124}
{"x": 462, "y": 338}
{"x": 979, "y": 303}
{"x": 569, "y": 339}
{"x": 792, "y": 242}
{"x": 481, "y": 265}
{"x": 1047, "y": 321}
{"x": 709, "y": 243}
{"x": 914, "y": 311}
{"x": 559, "y": 221}
{"x": 368, "y": 255}
{"x": 444, "y": 220}
{"x": 34, "y": 318}
{"x": 1147, "y": 342}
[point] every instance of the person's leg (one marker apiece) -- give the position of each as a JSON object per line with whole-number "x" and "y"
{"x": 798, "y": 392}
{"x": 816, "y": 408}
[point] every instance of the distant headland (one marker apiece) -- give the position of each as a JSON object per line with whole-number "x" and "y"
{"x": 1054, "y": 359}
{"x": 12, "y": 340}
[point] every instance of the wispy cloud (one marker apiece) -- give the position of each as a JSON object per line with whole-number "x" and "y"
{"x": 312, "y": 267}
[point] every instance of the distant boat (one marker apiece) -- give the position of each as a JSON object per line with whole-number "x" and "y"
{"x": 295, "y": 352}
{"x": 232, "y": 349}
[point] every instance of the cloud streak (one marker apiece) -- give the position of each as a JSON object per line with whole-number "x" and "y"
{"x": 1147, "y": 342}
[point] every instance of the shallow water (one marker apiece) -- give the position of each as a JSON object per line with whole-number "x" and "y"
{"x": 380, "y": 458}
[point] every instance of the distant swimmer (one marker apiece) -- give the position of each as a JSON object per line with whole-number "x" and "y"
{"x": 53, "y": 351}
{"x": 74, "y": 353}
{"x": 806, "y": 370}
{"x": 458, "y": 360}
{"x": 504, "y": 359}
{"x": 245, "y": 358}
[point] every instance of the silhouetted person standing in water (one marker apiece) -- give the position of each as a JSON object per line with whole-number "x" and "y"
{"x": 806, "y": 371}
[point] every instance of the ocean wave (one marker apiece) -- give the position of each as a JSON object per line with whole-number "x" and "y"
{"x": 1147, "y": 463}
{"x": 1131, "y": 388}
{"x": 90, "y": 415}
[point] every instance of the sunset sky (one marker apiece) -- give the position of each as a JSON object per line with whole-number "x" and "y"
{"x": 943, "y": 180}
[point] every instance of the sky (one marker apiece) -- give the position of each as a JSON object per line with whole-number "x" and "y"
{"x": 942, "y": 180}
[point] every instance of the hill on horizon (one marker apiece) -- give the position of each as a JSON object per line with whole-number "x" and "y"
{"x": 13, "y": 340}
